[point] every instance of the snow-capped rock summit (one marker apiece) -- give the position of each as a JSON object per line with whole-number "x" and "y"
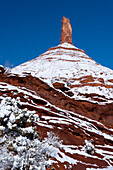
{"x": 67, "y": 64}
{"x": 73, "y": 98}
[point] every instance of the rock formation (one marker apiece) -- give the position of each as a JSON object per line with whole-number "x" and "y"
{"x": 74, "y": 102}
{"x": 66, "y": 31}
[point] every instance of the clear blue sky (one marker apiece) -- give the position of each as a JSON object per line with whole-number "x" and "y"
{"x": 30, "y": 27}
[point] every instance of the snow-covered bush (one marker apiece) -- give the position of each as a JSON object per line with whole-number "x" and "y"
{"x": 89, "y": 147}
{"x": 6, "y": 158}
{"x": 33, "y": 154}
{"x": 23, "y": 153}
{"x": 53, "y": 140}
{"x": 7, "y": 70}
{"x": 8, "y": 67}
{"x": 15, "y": 119}
{"x": 20, "y": 147}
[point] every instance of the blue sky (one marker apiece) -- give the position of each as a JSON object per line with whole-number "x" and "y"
{"x": 30, "y": 27}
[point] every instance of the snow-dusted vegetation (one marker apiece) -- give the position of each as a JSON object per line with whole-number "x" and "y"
{"x": 89, "y": 147}
{"x": 20, "y": 147}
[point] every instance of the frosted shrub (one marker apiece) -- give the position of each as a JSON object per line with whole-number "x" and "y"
{"x": 14, "y": 119}
{"x": 6, "y": 158}
{"x": 33, "y": 154}
{"x": 7, "y": 70}
{"x": 53, "y": 140}
{"x": 89, "y": 147}
{"x": 20, "y": 147}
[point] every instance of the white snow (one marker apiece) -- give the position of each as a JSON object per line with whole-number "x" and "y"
{"x": 1, "y": 66}
{"x": 67, "y": 45}
{"x": 108, "y": 168}
{"x": 70, "y": 66}
{"x": 2, "y": 128}
{"x": 67, "y": 118}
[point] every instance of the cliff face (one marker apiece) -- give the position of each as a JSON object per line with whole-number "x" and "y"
{"x": 73, "y": 96}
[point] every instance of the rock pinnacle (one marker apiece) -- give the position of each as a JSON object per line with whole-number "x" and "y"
{"x": 66, "y": 31}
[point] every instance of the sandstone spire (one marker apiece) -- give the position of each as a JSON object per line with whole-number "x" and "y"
{"x": 66, "y": 31}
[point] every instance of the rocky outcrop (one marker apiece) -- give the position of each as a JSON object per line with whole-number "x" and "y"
{"x": 73, "y": 121}
{"x": 72, "y": 100}
{"x": 66, "y": 31}
{"x": 57, "y": 97}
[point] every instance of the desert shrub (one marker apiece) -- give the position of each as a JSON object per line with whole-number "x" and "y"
{"x": 20, "y": 147}
{"x": 89, "y": 147}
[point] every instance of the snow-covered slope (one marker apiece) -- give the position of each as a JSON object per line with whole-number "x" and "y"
{"x": 78, "y": 133}
{"x": 70, "y": 65}
{"x": 56, "y": 111}
{"x": 73, "y": 97}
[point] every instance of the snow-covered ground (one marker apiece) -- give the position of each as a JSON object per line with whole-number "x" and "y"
{"x": 58, "y": 118}
{"x": 64, "y": 64}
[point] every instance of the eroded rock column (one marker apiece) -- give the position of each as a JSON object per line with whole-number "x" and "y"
{"x": 66, "y": 31}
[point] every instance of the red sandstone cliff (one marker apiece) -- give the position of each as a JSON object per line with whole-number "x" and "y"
{"x": 73, "y": 96}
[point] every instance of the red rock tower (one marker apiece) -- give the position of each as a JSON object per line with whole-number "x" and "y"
{"x": 66, "y": 31}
